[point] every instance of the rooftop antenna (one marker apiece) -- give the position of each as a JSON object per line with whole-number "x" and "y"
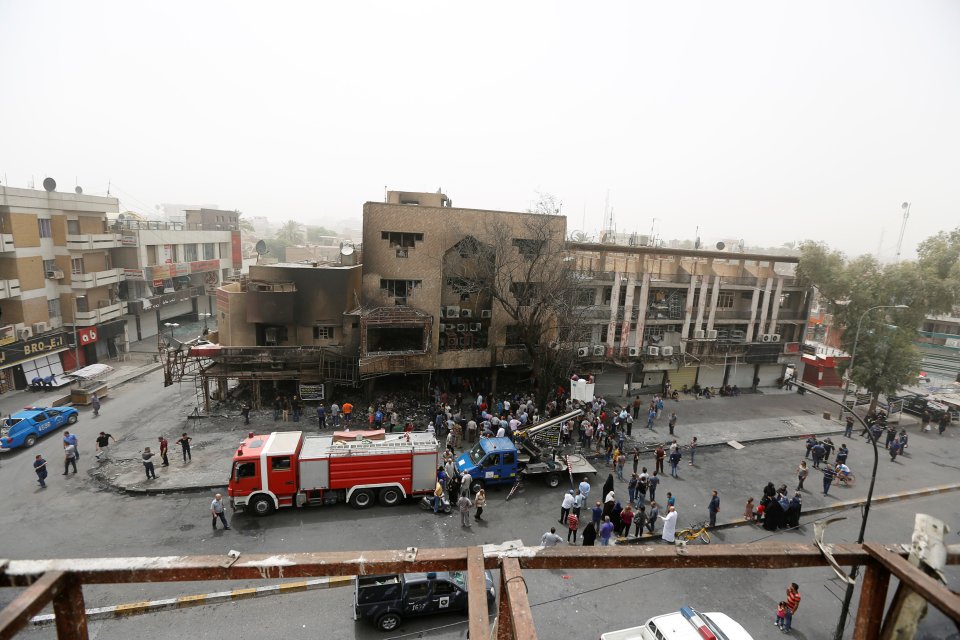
{"x": 696, "y": 242}
{"x": 903, "y": 227}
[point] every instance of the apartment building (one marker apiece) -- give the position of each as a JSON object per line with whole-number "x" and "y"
{"x": 57, "y": 279}
{"x": 173, "y": 269}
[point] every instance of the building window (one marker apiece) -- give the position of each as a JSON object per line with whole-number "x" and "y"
{"x": 73, "y": 227}
{"x": 209, "y": 250}
{"x": 76, "y": 266}
{"x": 528, "y": 248}
{"x": 725, "y": 300}
{"x": 323, "y": 333}
{"x": 49, "y": 265}
{"x": 525, "y": 292}
{"x": 607, "y": 295}
{"x": 46, "y": 230}
{"x": 401, "y": 240}
{"x": 190, "y": 252}
{"x": 53, "y": 308}
{"x": 399, "y": 288}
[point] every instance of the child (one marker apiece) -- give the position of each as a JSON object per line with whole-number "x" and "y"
{"x": 748, "y": 510}
{"x": 781, "y": 614}
{"x": 758, "y": 516}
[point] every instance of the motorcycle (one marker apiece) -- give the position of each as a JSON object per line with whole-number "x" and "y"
{"x": 426, "y": 503}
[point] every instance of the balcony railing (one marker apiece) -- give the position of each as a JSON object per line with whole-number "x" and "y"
{"x": 733, "y": 314}
{"x": 96, "y": 278}
{"x": 93, "y": 241}
{"x": 9, "y": 288}
{"x": 105, "y": 311}
{"x": 138, "y": 307}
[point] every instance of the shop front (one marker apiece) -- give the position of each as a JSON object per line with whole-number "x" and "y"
{"x": 24, "y": 360}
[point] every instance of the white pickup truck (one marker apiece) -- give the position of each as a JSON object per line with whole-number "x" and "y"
{"x": 685, "y": 624}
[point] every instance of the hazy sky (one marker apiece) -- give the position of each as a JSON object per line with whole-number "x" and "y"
{"x": 767, "y": 121}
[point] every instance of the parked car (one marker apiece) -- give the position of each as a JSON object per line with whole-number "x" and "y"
{"x": 685, "y": 624}
{"x": 24, "y": 428}
{"x": 916, "y": 405}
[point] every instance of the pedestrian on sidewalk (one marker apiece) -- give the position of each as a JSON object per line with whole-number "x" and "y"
{"x": 480, "y": 501}
{"x": 632, "y": 488}
{"x": 714, "y": 508}
{"x": 621, "y": 461}
{"x": 626, "y": 519}
{"x": 550, "y": 538}
{"x": 639, "y": 521}
{"x": 828, "y": 448}
{"x": 596, "y": 515}
{"x": 573, "y": 525}
{"x": 810, "y": 442}
{"x": 674, "y": 461}
{"x": 585, "y": 489}
{"x": 693, "y": 451}
{"x": 673, "y": 421}
{"x": 565, "y": 506}
{"x": 590, "y": 535}
{"x": 659, "y": 454}
{"x": 217, "y": 511}
{"x": 40, "y": 468}
{"x": 651, "y": 416}
{"x": 828, "y": 475}
{"x": 944, "y": 421}
{"x": 636, "y": 459}
{"x": 69, "y": 458}
{"x": 335, "y": 414}
{"x": 465, "y": 504}
{"x": 164, "y": 446}
{"x": 71, "y": 439}
{"x": 848, "y": 432}
{"x": 578, "y": 502}
{"x": 817, "y": 452}
{"x": 184, "y": 443}
{"x": 669, "y": 525}
{"x": 245, "y": 412}
{"x": 147, "y": 456}
{"x": 652, "y": 483}
{"x": 103, "y": 445}
{"x": 652, "y": 517}
{"x": 894, "y": 450}
{"x": 636, "y": 407}
{"x": 606, "y": 532}
{"x": 802, "y": 473}
{"x": 793, "y": 602}
{"x": 95, "y": 403}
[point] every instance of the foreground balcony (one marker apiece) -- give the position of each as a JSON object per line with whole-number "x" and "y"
{"x": 96, "y": 278}
{"x": 93, "y": 241}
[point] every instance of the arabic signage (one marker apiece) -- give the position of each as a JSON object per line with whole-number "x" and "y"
{"x": 29, "y": 349}
{"x": 128, "y": 240}
{"x": 164, "y": 271}
{"x": 133, "y": 274}
{"x": 311, "y": 392}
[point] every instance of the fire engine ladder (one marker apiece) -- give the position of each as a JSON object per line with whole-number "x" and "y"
{"x": 380, "y": 446}
{"x": 546, "y": 432}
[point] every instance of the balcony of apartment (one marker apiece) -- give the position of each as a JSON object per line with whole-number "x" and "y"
{"x": 681, "y": 278}
{"x": 6, "y": 242}
{"x": 93, "y": 241}
{"x": 9, "y": 288}
{"x": 105, "y": 311}
{"x": 142, "y": 305}
{"x": 733, "y": 314}
{"x": 96, "y": 278}
{"x": 741, "y": 282}
{"x": 791, "y": 314}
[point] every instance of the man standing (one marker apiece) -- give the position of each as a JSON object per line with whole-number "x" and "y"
{"x": 584, "y": 489}
{"x": 606, "y": 532}
{"x": 565, "y": 506}
{"x": 40, "y": 467}
{"x": 147, "y": 456}
{"x": 674, "y": 461}
{"x": 103, "y": 445}
{"x": 216, "y": 511}
{"x": 636, "y": 459}
{"x": 335, "y": 414}
{"x": 550, "y": 538}
{"x": 828, "y": 475}
{"x": 636, "y": 407}
{"x": 164, "y": 446}
{"x": 277, "y": 407}
{"x": 817, "y": 451}
{"x": 69, "y": 458}
{"x": 95, "y": 403}
{"x": 652, "y": 519}
{"x": 297, "y": 407}
{"x": 347, "y": 412}
{"x": 651, "y": 416}
{"x": 465, "y": 504}
{"x": 578, "y": 502}
{"x": 321, "y": 417}
{"x": 660, "y": 455}
{"x": 669, "y": 526}
{"x": 848, "y": 432}
{"x": 714, "y": 508}
{"x": 465, "y": 481}
{"x": 71, "y": 439}
{"x": 673, "y": 421}
{"x": 793, "y": 601}
{"x": 652, "y": 483}
{"x": 693, "y": 450}
{"x": 245, "y": 412}
{"x": 184, "y": 443}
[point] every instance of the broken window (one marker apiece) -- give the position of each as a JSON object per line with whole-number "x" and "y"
{"x": 513, "y": 335}
{"x": 381, "y": 339}
{"x": 525, "y": 292}
{"x": 528, "y": 248}
{"x": 399, "y": 288}
{"x": 402, "y": 239}
{"x": 585, "y": 297}
{"x": 323, "y": 333}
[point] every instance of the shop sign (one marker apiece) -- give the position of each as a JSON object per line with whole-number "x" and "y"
{"x": 29, "y": 349}
{"x": 311, "y": 392}
{"x": 128, "y": 240}
{"x": 133, "y": 274}
{"x": 88, "y": 335}
{"x": 204, "y": 265}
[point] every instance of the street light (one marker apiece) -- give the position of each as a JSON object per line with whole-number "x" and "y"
{"x": 171, "y": 326}
{"x": 205, "y": 316}
{"x": 848, "y": 595}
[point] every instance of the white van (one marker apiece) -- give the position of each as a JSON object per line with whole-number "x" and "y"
{"x": 685, "y": 624}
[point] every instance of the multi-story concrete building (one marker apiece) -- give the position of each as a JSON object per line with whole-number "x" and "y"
{"x": 58, "y": 283}
{"x": 173, "y": 269}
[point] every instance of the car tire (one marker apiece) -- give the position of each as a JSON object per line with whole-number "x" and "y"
{"x": 72, "y": 419}
{"x": 30, "y": 440}
{"x": 553, "y": 480}
{"x": 260, "y": 506}
{"x": 361, "y": 499}
{"x": 389, "y": 621}
{"x": 390, "y": 496}
{"x": 475, "y": 486}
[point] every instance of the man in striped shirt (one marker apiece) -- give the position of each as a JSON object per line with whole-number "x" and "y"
{"x": 793, "y": 601}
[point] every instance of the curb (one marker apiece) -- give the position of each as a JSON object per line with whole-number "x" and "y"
{"x": 183, "y": 602}
{"x": 139, "y": 374}
{"x": 837, "y": 506}
{"x": 160, "y": 491}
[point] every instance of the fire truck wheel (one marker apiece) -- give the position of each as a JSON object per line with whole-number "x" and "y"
{"x": 553, "y": 480}
{"x": 390, "y": 496}
{"x": 475, "y": 486}
{"x": 361, "y": 499}
{"x": 388, "y": 621}
{"x": 260, "y": 506}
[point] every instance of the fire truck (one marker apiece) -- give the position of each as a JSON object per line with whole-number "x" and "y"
{"x": 286, "y": 469}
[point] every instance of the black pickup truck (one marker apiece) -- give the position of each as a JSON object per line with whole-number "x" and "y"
{"x": 388, "y": 599}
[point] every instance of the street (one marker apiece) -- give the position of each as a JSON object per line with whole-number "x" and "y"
{"x": 84, "y": 516}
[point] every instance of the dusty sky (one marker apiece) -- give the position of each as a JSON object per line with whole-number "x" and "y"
{"x": 767, "y": 121}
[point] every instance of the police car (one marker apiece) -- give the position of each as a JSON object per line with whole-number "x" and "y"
{"x": 686, "y": 624}
{"x": 23, "y": 428}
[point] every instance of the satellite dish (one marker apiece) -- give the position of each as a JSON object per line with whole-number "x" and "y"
{"x": 78, "y": 190}
{"x": 348, "y": 254}
{"x": 347, "y": 249}
{"x": 261, "y": 247}
{"x": 49, "y": 184}
{"x": 721, "y": 246}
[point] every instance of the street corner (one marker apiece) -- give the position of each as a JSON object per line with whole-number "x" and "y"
{"x": 203, "y": 472}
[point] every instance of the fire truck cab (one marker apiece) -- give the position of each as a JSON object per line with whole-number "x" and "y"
{"x": 286, "y": 469}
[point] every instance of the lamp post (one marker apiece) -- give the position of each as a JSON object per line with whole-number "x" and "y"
{"x": 205, "y": 316}
{"x": 171, "y": 326}
{"x": 848, "y": 595}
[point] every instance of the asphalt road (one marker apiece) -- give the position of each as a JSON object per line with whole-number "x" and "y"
{"x": 76, "y": 517}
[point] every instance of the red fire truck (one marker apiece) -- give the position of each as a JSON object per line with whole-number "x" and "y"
{"x": 288, "y": 469}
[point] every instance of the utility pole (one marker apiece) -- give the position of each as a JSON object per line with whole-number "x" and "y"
{"x": 903, "y": 226}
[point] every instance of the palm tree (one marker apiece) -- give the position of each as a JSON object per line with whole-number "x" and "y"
{"x": 244, "y": 225}
{"x": 291, "y": 232}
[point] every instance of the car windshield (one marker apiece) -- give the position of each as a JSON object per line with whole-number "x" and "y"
{"x": 458, "y": 579}
{"x": 476, "y": 454}
{"x": 12, "y": 421}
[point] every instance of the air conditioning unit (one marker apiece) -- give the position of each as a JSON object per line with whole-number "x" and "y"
{"x": 56, "y": 322}
{"x": 634, "y": 352}
{"x": 653, "y": 351}
{"x": 402, "y": 253}
{"x": 461, "y": 327}
{"x": 599, "y": 349}
{"x": 24, "y": 333}
{"x": 475, "y": 326}
{"x": 666, "y": 351}
{"x": 486, "y": 313}
{"x": 466, "y": 313}
{"x": 39, "y": 327}
{"x": 55, "y": 274}
{"x": 712, "y": 334}
{"x": 583, "y": 352}
{"x": 766, "y": 337}
{"x": 453, "y": 312}
{"x": 774, "y": 337}
{"x": 699, "y": 334}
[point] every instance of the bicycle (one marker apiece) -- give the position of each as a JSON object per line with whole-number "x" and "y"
{"x": 698, "y": 530}
{"x": 845, "y": 480}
